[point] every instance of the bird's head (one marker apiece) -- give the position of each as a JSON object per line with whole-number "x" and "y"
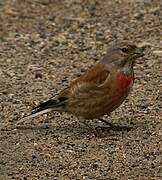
{"x": 123, "y": 55}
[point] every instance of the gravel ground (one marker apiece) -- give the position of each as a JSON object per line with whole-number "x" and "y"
{"x": 44, "y": 44}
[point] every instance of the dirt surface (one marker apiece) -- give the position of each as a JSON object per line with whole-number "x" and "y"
{"x": 44, "y": 44}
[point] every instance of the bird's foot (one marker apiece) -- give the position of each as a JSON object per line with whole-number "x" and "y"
{"x": 113, "y": 128}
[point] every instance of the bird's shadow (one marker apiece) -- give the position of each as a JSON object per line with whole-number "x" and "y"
{"x": 71, "y": 129}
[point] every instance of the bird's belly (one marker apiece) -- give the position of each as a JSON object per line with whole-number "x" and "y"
{"x": 91, "y": 108}
{"x": 109, "y": 104}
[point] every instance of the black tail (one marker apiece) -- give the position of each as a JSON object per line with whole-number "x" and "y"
{"x": 52, "y": 104}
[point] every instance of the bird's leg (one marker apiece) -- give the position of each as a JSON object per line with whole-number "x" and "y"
{"x": 83, "y": 121}
{"x": 87, "y": 124}
{"x": 107, "y": 123}
{"x": 112, "y": 126}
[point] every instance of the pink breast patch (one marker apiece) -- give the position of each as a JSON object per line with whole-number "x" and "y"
{"x": 124, "y": 81}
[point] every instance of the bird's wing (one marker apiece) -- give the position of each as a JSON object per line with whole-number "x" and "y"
{"x": 97, "y": 75}
{"x": 91, "y": 82}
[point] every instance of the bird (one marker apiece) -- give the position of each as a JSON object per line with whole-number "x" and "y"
{"x": 100, "y": 90}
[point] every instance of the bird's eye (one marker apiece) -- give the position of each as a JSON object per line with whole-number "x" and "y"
{"x": 124, "y": 50}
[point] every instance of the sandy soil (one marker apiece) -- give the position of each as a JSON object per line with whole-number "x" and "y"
{"x": 44, "y": 44}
